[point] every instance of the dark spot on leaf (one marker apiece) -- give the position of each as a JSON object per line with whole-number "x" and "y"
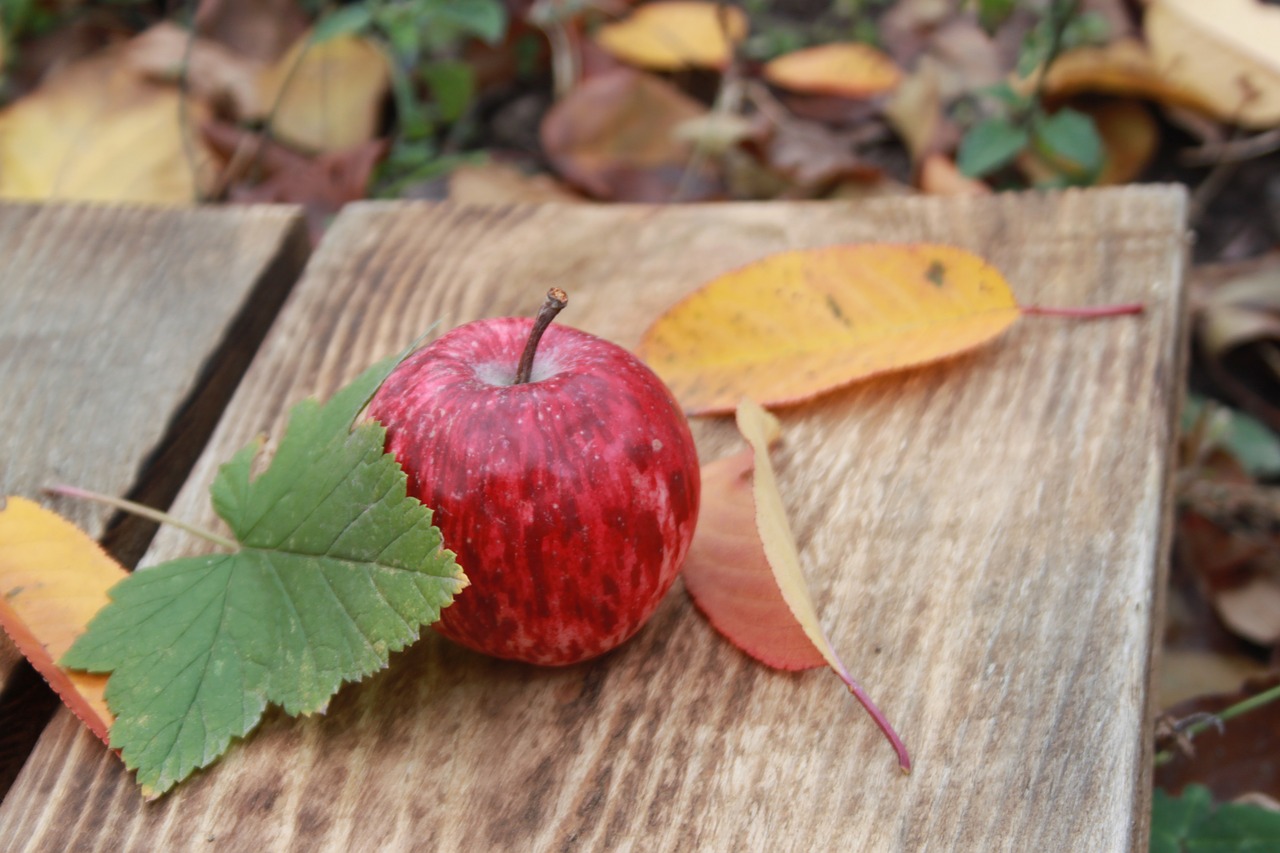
{"x": 834, "y": 308}
{"x": 936, "y": 273}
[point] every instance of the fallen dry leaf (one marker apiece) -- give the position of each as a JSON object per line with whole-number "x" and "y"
{"x": 812, "y": 156}
{"x": 501, "y": 183}
{"x": 264, "y": 171}
{"x": 53, "y": 580}
{"x": 616, "y": 136}
{"x": 743, "y": 569}
{"x": 98, "y": 131}
{"x": 1240, "y": 309}
{"x": 846, "y": 69}
{"x": 916, "y": 114}
{"x": 214, "y": 73}
{"x": 1243, "y": 759}
{"x": 1130, "y": 137}
{"x": 795, "y": 324}
{"x": 258, "y": 29}
{"x": 1225, "y": 51}
{"x": 327, "y": 96}
{"x": 668, "y": 36}
{"x": 939, "y": 175}
{"x": 1187, "y": 673}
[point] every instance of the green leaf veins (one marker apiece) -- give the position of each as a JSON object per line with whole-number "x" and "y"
{"x": 337, "y": 568}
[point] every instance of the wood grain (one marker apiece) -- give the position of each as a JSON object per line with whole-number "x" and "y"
{"x": 985, "y": 541}
{"x": 122, "y": 334}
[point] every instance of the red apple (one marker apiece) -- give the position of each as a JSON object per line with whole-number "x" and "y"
{"x": 570, "y": 498}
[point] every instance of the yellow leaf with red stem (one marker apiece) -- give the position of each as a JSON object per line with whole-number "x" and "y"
{"x": 793, "y": 325}
{"x": 743, "y": 569}
{"x": 53, "y": 580}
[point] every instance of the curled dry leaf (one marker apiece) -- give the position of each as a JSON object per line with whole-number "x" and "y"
{"x": 1224, "y": 51}
{"x": 743, "y": 569}
{"x": 53, "y": 580}
{"x": 846, "y": 69}
{"x": 796, "y": 324}
{"x": 1124, "y": 67}
{"x": 676, "y": 34}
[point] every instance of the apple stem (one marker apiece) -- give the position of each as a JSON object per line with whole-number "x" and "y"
{"x": 142, "y": 510}
{"x": 1085, "y": 313}
{"x": 554, "y": 304}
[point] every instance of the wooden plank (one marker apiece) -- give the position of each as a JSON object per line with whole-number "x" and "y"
{"x": 985, "y": 541}
{"x": 122, "y": 333}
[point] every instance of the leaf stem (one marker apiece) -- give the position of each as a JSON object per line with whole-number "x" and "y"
{"x": 904, "y": 760}
{"x": 554, "y": 304}
{"x": 1087, "y": 312}
{"x": 1212, "y": 721}
{"x": 144, "y": 511}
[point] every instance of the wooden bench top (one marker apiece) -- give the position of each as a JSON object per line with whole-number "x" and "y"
{"x": 122, "y": 334}
{"x": 985, "y": 541}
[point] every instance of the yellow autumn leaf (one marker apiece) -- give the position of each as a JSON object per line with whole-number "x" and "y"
{"x": 327, "y": 95}
{"x": 98, "y": 131}
{"x": 743, "y": 570}
{"x": 1227, "y": 51}
{"x": 847, "y": 69}
{"x": 53, "y": 580}
{"x": 676, "y": 34}
{"x": 793, "y": 325}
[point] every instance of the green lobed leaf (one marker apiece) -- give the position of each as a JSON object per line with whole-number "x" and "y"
{"x": 1190, "y": 823}
{"x": 453, "y": 86}
{"x": 988, "y": 145}
{"x": 337, "y": 568}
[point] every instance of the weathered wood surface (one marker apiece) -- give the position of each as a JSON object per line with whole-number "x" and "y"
{"x": 121, "y": 331}
{"x": 985, "y": 541}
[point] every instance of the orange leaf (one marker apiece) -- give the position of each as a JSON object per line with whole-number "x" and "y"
{"x": 54, "y": 579}
{"x": 793, "y": 325}
{"x": 743, "y": 569}
{"x": 675, "y": 35}
{"x": 1123, "y": 67}
{"x": 848, "y": 69}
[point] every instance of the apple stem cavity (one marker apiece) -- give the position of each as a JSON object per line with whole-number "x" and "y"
{"x": 140, "y": 510}
{"x": 554, "y": 304}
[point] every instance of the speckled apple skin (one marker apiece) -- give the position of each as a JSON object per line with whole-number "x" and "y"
{"x": 569, "y": 500}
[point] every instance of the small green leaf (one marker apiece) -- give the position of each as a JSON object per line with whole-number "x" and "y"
{"x": 348, "y": 20}
{"x": 1249, "y": 440}
{"x": 989, "y": 145}
{"x": 337, "y": 568}
{"x": 1191, "y": 824}
{"x": 1069, "y": 141}
{"x": 453, "y": 85}
{"x": 484, "y": 19}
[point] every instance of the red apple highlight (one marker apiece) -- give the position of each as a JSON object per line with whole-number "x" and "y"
{"x": 570, "y": 498}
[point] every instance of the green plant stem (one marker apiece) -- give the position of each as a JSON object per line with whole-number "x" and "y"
{"x": 1057, "y": 33}
{"x": 144, "y": 511}
{"x": 1244, "y": 707}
